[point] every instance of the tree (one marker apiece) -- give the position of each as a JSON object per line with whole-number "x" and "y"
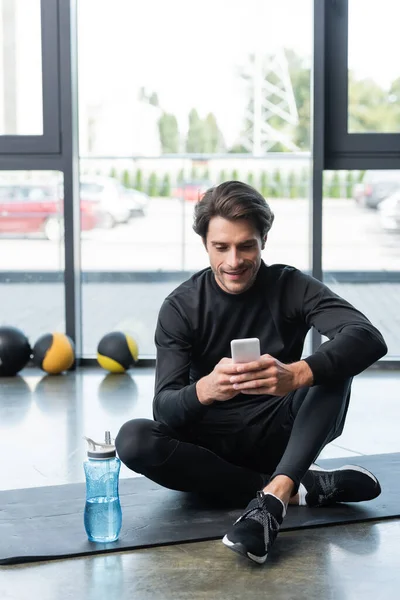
{"x": 213, "y": 136}
{"x": 300, "y": 75}
{"x": 169, "y": 133}
{"x": 195, "y": 141}
{"x": 204, "y": 135}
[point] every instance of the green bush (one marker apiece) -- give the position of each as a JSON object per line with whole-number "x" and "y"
{"x": 114, "y": 173}
{"x": 335, "y": 185}
{"x": 126, "y": 179}
{"x": 181, "y": 176}
{"x": 293, "y": 191}
{"x": 139, "y": 180}
{"x": 265, "y": 188}
{"x": 152, "y": 185}
{"x": 166, "y": 186}
{"x": 277, "y": 188}
{"x": 250, "y": 179}
{"x": 235, "y": 175}
{"x": 223, "y": 176}
{"x": 305, "y": 182}
{"x": 349, "y": 184}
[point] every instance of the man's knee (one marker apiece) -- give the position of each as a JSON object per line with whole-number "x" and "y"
{"x": 135, "y": 442}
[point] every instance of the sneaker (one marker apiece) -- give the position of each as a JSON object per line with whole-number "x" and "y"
{"x": 346, "y": 484}
{"x": 253, "y": 534}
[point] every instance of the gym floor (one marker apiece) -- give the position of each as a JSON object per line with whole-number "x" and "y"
{"x": 50, "y": 415}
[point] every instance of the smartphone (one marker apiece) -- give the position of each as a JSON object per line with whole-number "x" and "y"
{"x": 245, "y": 350}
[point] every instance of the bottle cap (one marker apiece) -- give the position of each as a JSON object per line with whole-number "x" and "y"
{"x": 101, "y": 450}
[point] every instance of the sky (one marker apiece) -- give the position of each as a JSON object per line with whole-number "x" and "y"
{"x": 190, "y": 53}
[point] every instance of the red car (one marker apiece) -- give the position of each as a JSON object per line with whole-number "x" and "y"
{"x": 191, "y": 191}
{"x": 38, "y": 209}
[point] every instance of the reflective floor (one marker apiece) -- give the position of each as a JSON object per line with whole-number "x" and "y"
{"x": 42, "y": 423}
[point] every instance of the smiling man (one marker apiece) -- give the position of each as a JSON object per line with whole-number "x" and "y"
{"x": 250, "y": 433}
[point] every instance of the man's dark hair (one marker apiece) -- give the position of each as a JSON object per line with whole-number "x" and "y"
{"x": 233, "y": 200}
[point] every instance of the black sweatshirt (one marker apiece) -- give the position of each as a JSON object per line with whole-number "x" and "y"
{"x": 198, "y": 320}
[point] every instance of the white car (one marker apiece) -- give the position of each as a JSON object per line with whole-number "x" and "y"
{"x": 389, "y": 212}
{"x": 110, "y": 195}
{"x": 137, "y": 202}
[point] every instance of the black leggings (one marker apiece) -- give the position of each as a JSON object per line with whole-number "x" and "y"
{"x": 221, "y": 464}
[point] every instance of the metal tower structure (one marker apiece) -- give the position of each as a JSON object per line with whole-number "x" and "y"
{"x": 271, "y": 106}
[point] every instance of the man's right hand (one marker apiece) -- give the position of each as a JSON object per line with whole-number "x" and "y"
{"x": 217, "y": 386}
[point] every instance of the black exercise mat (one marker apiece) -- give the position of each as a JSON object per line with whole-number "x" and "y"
{"x": 47, "y": 523}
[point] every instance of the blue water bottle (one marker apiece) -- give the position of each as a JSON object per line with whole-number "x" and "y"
{"x": 102, "y": 515}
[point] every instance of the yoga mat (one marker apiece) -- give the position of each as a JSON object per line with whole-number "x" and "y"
{"x": 47, "y": 523}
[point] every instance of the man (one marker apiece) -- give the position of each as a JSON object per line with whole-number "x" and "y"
{"x": 237, "y": 431}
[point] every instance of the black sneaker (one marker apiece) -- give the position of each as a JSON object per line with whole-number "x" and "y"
{"x": 346, "y": 484}
{"x": 253, "y": 534}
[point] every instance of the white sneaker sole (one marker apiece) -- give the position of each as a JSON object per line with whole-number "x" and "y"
{"x": 346, "y": 468}
{"x": 240, "y": 549}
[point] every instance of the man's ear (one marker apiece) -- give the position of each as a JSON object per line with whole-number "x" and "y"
{"x": 263, "y": 242}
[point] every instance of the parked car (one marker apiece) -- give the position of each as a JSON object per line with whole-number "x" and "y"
{"x": 389, "y": 212}
{"x": 375, "y": 187}
{"x": 38, "y": 209}
{"x": 137, "y": 201}
{"x": 117, "y": 203}
{"x": 192, "y": 190}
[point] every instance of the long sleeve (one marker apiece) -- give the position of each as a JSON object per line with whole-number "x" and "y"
{"x": 175, "y": 400}
{"x": 354, "y": 343}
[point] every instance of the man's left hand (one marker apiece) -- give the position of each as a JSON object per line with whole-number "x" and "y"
{"x": 269, "y": 376}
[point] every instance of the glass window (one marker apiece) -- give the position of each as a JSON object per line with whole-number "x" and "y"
{"x": 361, "y": 252}
{"x": 190, "y": 112}
{"x": 31, "y": 252}
{"x": 374, "y": 81}
{"x": 21, "y": 106}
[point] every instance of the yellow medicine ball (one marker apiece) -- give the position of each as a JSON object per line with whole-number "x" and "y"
{"x": 117, "y": 351}
{"x": 54, "y": 353}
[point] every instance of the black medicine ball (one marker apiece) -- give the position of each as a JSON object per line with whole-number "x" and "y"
{"x": 15, "y": 351}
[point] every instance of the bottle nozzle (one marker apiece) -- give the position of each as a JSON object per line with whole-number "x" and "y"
{"x": 107, "y": 438}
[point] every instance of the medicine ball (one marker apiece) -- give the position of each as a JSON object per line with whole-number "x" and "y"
{"x": 117, "y": 352}
{"x": 54, "y": 353}
{"x": 15, "y": 351}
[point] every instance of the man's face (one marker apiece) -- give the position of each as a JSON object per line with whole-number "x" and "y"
{"x": 234, "y": 249}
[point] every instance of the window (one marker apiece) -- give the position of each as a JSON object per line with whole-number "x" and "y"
{"x": 31, "y": 252}
{"x": 21, "y": 104}
{"x": 373, "y": 75}
{"x": 168, "y": 114}
{"x": 361, "y": 256}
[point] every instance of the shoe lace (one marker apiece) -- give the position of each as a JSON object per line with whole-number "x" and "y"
{"x": 261, "y": 514}
{"x": 328, "y": 490}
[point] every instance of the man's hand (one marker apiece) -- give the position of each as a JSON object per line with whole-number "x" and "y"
{"x": 269, "y": 376}
{"x": 217, "y": 385}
